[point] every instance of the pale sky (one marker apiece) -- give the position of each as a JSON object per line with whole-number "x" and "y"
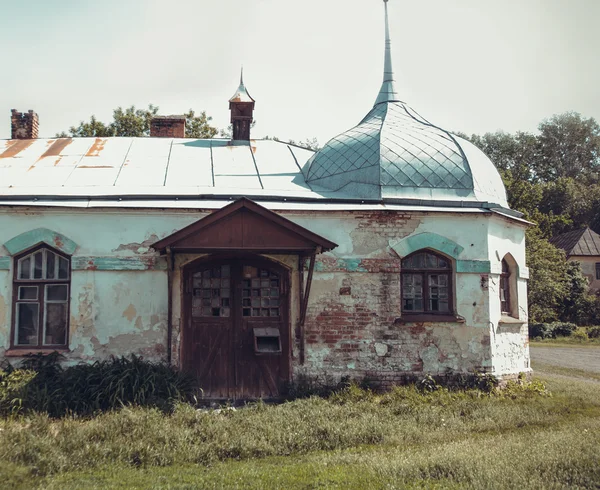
{"x": 313, "y": 66}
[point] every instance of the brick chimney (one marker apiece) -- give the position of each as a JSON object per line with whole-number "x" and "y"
{"x": 24, "y": 125}
{"x": 167, "y": 127}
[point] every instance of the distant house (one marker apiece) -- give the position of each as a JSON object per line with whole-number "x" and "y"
{"x": 584, "y": 247}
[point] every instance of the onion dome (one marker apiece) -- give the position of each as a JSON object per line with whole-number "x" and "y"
{"x": 394, "y": 153}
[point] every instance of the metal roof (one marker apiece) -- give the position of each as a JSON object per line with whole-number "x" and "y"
{"x": 395, "y": 153}
{"x": 151, "y": 166}
{"x": 584, "y": 242}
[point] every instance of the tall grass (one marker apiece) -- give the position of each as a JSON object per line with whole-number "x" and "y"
{"x": 146, "y": 437}
{"x": 43, "y": 385}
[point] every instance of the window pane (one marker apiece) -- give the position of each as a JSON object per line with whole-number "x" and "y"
{"x": 438, "y": 292}
{"x": 50, "y": 265}
{"x": 56, "y": 324}
{"x": 63, "y": 268}
{"x": 27, "y": 323}
{"x": 56, "y": 293}
{"x": 412, "y": 292}
{"x": 25, "y": 266}
{"x": 37, "y": 265}
{"x": 425, "y": 261}
{"x": 28, "y": 292}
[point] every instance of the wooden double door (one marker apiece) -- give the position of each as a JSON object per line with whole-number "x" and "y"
{"x": 236, "y": 336}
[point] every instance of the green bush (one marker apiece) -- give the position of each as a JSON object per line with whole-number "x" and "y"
{"x": 551, "y": 330}
{"x": 563, "y": 329}
{"x": 593, "y": 332}
{"x": 13, "y": 386}
{"x": 540, "y": 330}
{"x": 580, "y": 335}
{"x": 43, "y": 385}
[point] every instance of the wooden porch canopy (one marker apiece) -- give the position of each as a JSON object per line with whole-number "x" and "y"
{"x": 244, "y": 226}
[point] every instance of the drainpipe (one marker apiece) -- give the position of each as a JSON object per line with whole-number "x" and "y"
{"x": 170, "y": 269}
{"x": 305, "y": 301}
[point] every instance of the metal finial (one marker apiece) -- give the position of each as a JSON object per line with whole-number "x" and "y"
{"x": 242, "y": 76}
{"x": 388, "y": 87}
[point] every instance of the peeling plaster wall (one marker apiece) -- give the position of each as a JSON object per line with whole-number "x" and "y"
{"x": 118, "y": 313}
{"x": 112, "y": 311}
{"x": 352, "y": 325}
{"x": 510, "y": 339}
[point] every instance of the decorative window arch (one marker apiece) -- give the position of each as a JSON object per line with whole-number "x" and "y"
{"x": 426, "y": 278}
{"x": 508, "y": 287}
{"x": 41, "y": 284}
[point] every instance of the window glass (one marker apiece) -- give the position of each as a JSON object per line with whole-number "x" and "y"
{"x": 51, "y": 264}
{"x": 56, "y": 324}
{"x": 37, "y": 265}
{"x": 28, "y": 315}
{"x": 598, "y": 270}
{"x": 25, "y": 268}
{"x": 426, "y": 286}
{"x": 28, "y": 292}
{"x": 57, "y": 292}
{"x": 63, "y": 268}
{"x": 41, "y": 308}
{"x": 505, "y": 288}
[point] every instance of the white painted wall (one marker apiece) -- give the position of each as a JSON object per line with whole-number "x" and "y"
{"x": 118, "y": 312}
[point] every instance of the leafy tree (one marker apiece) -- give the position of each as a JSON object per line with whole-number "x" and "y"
{"x": 553, "y": 177}
{"x": 197, "y": 126}
{"x": 547, "y": 287}
{"x": 569, "y": 146}
{"x": 579, "y": 305}
{"x": 134, "y": 122}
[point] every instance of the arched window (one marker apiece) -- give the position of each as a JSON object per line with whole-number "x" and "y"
{"x": 41, "y": 299}
{"x": 426, "y": 284}
{"x": 505, "y": 306}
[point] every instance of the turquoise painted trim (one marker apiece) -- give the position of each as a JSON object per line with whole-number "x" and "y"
{"x": 31, "y": 238}
{"x": 412, "y": 243}
{"x": 4, "y": 263}
{"x": 144, "y": 263}
{"x": 473, "y": 266}
{"x": 349, "y": 265}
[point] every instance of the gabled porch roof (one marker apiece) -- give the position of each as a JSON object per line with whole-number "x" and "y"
{"x": 244, "y": 226}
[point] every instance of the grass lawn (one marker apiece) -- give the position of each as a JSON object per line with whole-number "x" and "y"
{"x": 521, "y": 439}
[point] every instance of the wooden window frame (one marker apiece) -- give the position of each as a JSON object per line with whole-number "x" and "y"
{"x": 507, "y": 277}
{"x": 598, "y": 271}
{"x": 41, "y": 284}
{"x": 427, "y": 314}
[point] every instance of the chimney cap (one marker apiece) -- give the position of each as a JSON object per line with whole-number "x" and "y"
{"x": 170, "y": 118}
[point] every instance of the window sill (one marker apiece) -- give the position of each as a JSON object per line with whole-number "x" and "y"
{"x": 32, "y": 352}
{"x": 429, "y": 319}
{"x": 509, "y": 320}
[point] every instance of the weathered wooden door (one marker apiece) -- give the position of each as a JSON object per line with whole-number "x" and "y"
{"x": 236, "y": 330}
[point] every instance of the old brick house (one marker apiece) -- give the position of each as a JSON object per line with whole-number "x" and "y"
{"x": 389, "y": 252}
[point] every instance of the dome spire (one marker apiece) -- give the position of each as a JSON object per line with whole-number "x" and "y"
{"x": 388, "y": 87}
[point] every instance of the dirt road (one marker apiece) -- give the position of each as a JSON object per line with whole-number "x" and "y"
{"x": 586, "y": 358}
